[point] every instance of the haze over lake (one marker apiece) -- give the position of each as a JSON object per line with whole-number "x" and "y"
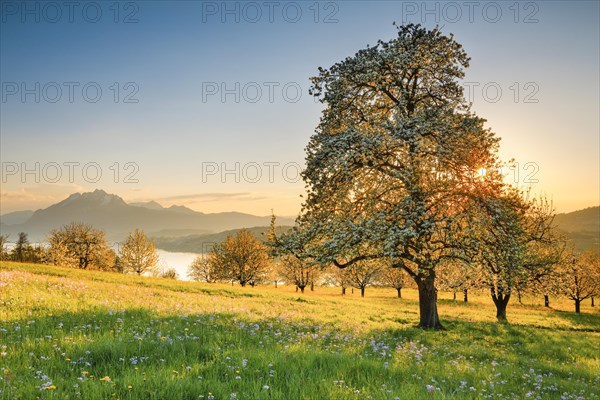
{"x": 179, "y": 261}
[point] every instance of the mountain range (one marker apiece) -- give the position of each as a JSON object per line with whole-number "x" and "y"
{"x": 178, "y": 228}
{"x": 117, "y": 218}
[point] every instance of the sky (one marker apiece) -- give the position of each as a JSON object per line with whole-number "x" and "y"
{"x": 206, "y": 104}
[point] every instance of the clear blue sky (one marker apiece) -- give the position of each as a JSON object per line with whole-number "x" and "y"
{"x": 180, "y": 134}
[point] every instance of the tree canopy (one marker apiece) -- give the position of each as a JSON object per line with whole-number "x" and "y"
{"x": 392, "y": 168}
{"x": 80, "y": 245}
{"x": 138, "y": 254}
{"x": 241, "y": 258}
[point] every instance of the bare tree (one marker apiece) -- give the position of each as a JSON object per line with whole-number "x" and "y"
{"x": 138, "y": 254}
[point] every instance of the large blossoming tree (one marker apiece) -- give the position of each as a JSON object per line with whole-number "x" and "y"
{"x": 392, "y": 169}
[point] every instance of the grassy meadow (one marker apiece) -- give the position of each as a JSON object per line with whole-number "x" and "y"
{"x": 71, "y": 334}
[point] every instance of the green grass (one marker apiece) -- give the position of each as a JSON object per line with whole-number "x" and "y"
{"x": 69, "y": 334}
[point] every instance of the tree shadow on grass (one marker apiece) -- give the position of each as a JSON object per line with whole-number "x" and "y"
{"x": 162, "y": 356}
{"x": 482, "y": 340}
{"x": 582, "y": 322}
{"x": 136, "y": 353}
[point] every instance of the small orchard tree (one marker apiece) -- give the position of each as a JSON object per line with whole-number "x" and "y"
{"x": 109, "y": 261}
{"x": 274, "y": 274}
{"x": 393, "y": 278}
{"x": 296, "y": 272}
{"x": 169, "y": 273}
{"x": 518, "y": 244}
{"x": 204, "y": 269}
{"x": 242, "y": 258}
{"x": 546, "y": 286}
{"x": 138, "y": 254}
{"x": 550, "y": 282}
{"x": 580, "y": 277}
{"x": 339, "y": 277}
{"x": 362, "y": 274}
{"x": 3, "y": 241}
{"x": 457, "y": 276}
{"x": 80, "y": 245}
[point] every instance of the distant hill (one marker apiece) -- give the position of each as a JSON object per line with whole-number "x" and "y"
{"x": 17, "y": 217}
{"x": 150, "y": 205}
{"x": 203, "y": 243}
{"x": 112, "y": 214}
{"x": 153, "y": 205}
{"x": 582, "y": 227}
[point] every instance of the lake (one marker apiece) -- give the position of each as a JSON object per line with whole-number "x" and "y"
{"x": 179, "y": 261}
{"x": 168, "y": 259}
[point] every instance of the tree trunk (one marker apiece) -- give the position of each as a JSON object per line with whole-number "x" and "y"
{"x": 352, "y": 290}
{"x": 466, "y": 295}
{"x": 343, "y": 291}
{"x": 399, "y": 290}
{"x": 577, "y": 306}
{"x": 501, "y": 311}
{"x": 429, "y": 318}
{"x": 592, "y": 301}
{"x": 301, "y": 289}
{"x": 454, "y": 295}
{"x": 519, "y": 296}
{"x": 275, "y": 284}
{"x": 362, "y": 291}
{"x": 546, "y": 300}
{"x": 501, "y": 301}
{"x": 312, "y": 286}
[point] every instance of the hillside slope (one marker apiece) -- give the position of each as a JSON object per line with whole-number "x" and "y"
{"x": 582, "y": 227}
{"x": 94, "y": 335}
